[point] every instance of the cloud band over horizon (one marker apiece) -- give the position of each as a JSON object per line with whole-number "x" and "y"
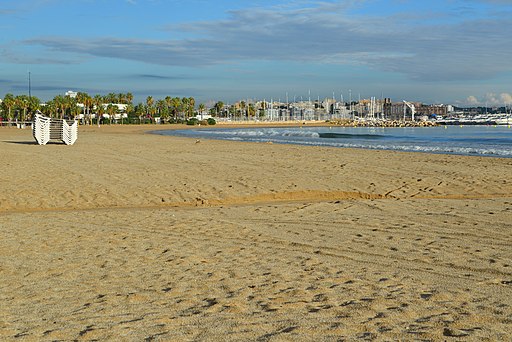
{"x": 440, "y": 44}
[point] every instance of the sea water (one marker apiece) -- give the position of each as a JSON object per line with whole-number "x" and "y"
{"x": 465, "y": 140}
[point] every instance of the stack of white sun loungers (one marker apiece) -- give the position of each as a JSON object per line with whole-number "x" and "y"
{"x": 45, "y": 129}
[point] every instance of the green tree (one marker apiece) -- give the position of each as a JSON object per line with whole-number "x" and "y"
{"x": 176, "y": 106}
{"x": 149, "y": 107}
{"x": 111, "y": 98}
{"x": 184, "y": 106}
{"x": 49, "y": 109}
{"x": 98, "y": 102}
{"x": 232, "y": 110}
{"x": 72, "y": 107}
{"x": 251, "y": 110}
{"x": 163, "y": 112}
{"x": 60, "y": 104}
{"x": 129, "y": 111}
{"x": 8, "y": 103}
{"x": 219, "y": 106}
{"x": 242, "y": 109}
{"x": 34, "y": 105}
{"x": 191, "y": 106}
{"x": 99, "y": 113}
{"x": 87, "y": 103}
{"x": 129, "y": 98}
{"x": 111, "y": 111}
{"x": 22, "y": 103}
{"x": 168, "y": 102}
{"x": 140, "y": 111}
{"x": 202, "y": 107}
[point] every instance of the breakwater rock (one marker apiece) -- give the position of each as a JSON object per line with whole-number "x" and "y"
{"x": 382, "y": 123}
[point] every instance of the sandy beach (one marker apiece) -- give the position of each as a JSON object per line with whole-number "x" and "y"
{"x": 130, "y": 236}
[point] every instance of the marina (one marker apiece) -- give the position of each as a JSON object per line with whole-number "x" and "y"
{"x": 496, "y": 119}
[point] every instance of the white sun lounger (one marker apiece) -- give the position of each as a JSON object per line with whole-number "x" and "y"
{"x": 45, "y": 129}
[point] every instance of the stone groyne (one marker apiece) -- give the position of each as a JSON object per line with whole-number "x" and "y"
{"x": 382, "y": 123}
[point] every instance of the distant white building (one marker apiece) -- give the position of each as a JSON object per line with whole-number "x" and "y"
{"x": 121, "y": 107}
{"x": 121, "y": 111}
{"x": 203, "y": 116}
{"x": 71, "y": 93}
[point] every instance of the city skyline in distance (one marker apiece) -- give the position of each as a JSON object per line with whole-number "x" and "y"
{"x": 454, "y": 52}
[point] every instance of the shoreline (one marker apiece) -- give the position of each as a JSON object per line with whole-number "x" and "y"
{"x": 129, "y": 235}
{"x": 419, "y": 142}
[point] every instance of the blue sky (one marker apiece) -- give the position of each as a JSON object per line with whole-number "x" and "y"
{"x": 450, "y": 51}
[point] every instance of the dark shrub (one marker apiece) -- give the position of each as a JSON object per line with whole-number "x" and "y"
{"x": 192, "y": 122}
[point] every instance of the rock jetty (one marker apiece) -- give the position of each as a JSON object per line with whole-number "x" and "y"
{"x": 382, "y": 123}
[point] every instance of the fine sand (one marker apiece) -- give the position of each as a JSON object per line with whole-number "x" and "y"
{"x": 129, "y": 236}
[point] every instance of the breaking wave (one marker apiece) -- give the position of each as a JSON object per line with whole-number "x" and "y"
{"x": 474, "y": 140}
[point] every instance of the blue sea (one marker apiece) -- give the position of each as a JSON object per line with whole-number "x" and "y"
{"x": 495, "y": 141}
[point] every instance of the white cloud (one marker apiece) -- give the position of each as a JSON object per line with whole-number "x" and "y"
{"x": 321, "y": 32}
{"x": 503, "y": 2}
{"x": 472, "y": 101}
{"x": 506, "y": 98}
{"x": 489, "y": 99}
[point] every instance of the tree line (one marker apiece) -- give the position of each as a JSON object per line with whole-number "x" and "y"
{"x": 23, "y": 107}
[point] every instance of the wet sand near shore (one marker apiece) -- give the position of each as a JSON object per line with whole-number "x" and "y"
{"x": 132, "y": 236}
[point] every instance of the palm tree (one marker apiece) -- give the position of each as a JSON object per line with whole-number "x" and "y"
{"x": 60, "y": 104}
{"x": 111, "y": 110}
{"x": 99, "y": 113}
{"x": 175, "y": 105}
{"x": 82, "y": 98}
{"x": 22, "y": 103}
{"x": 140, "y": 111}
{"x": 184, "y": 106}
{"x": 168, "y": 104}
{"x": 111, "y": 98}
{"x": 161, "y": 105}
{"x": 34, "y": 104}
{"x": 88, "y": 104}
{"x": 72, "y": 106}
{"x": 98, "y": 103}
{"x": 149, "y": 103}
{"x": 8, "y": 103}
{"x": 233, "y": 110}
{"x": 242, "y": 108}
{"x": 49, "y": 109}
{"x": 192, "y": 106}
{"x": 129, "y": 98}
{"x": 251, "y": 111}
{"x": 218, "y": 107}
{"x": 129, "y": 110}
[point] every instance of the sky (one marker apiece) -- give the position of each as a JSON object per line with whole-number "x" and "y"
{"x": 438, "y": 51}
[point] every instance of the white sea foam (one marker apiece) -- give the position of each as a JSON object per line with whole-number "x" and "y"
{"x": 483, "y": 141}
{"x": 264, "y": 133}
